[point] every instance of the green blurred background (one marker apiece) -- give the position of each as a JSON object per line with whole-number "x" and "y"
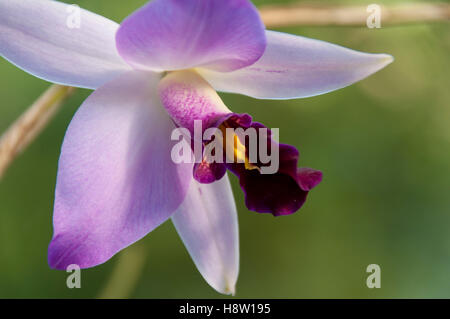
{"x": 383, "y": 145}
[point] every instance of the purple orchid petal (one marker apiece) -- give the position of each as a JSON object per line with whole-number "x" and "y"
{"x": 35, "y": 36}
{"x": 179, "y": 34}
{"x": 295, "y": 67}
{"x": 207, "y": 223}
{"x": 116, "y": 179}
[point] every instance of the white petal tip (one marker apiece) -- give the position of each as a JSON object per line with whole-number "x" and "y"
{"x": 386, "y": 59}
{"x": 382, "y": 60}
{"x": 227, "y": 287}
{"x": 379, "y": 62}
{"x": 207, "y": 223}
{"x": 229, "y": 290}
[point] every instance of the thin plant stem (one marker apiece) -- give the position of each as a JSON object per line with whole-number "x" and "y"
{"x": 126, "y": 273}
{"x": 337, "y": 15}
{"x": 22, "y": 132}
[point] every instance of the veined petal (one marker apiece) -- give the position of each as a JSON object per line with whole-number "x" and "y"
{"x": 42, "y": 38}
{"x": 187, "y": 97}
{"x": 296, "y": 67}
{"x": 207, "y": 223}
{"x": 116, "y": 180}
{"x": 180, "y": 34}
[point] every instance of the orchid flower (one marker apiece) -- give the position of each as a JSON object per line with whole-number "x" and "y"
{"x": 159, "y": 70}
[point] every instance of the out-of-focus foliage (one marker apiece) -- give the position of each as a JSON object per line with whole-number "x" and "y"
{"x": 383, "y": 145}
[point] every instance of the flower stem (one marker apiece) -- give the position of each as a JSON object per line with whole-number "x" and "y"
{"x": 337, "y": 15}
{"x": 126, "y": 273}
{"x": 21, "y": 133}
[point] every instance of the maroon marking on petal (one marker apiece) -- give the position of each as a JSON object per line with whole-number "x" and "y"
{"x": 308, "y": 178}
{"x": 277, "y": 194}
{"x": 207, "y": 173}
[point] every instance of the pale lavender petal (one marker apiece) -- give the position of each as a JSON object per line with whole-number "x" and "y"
{"x": 116, "y": 180}
{"x": 295, "y": 67}
{"x": 180, "y": 34}
{"x": 42, "y": 38}
{"x": 207, "y": 223}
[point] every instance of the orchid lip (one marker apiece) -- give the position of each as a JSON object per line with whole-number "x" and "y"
{"x": 281, "y": 192}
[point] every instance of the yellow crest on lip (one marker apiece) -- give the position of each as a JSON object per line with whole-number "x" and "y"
{"x": 234, "y": 149}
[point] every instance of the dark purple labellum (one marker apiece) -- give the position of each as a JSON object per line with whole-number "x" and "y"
{"x": 281, "y": 193}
